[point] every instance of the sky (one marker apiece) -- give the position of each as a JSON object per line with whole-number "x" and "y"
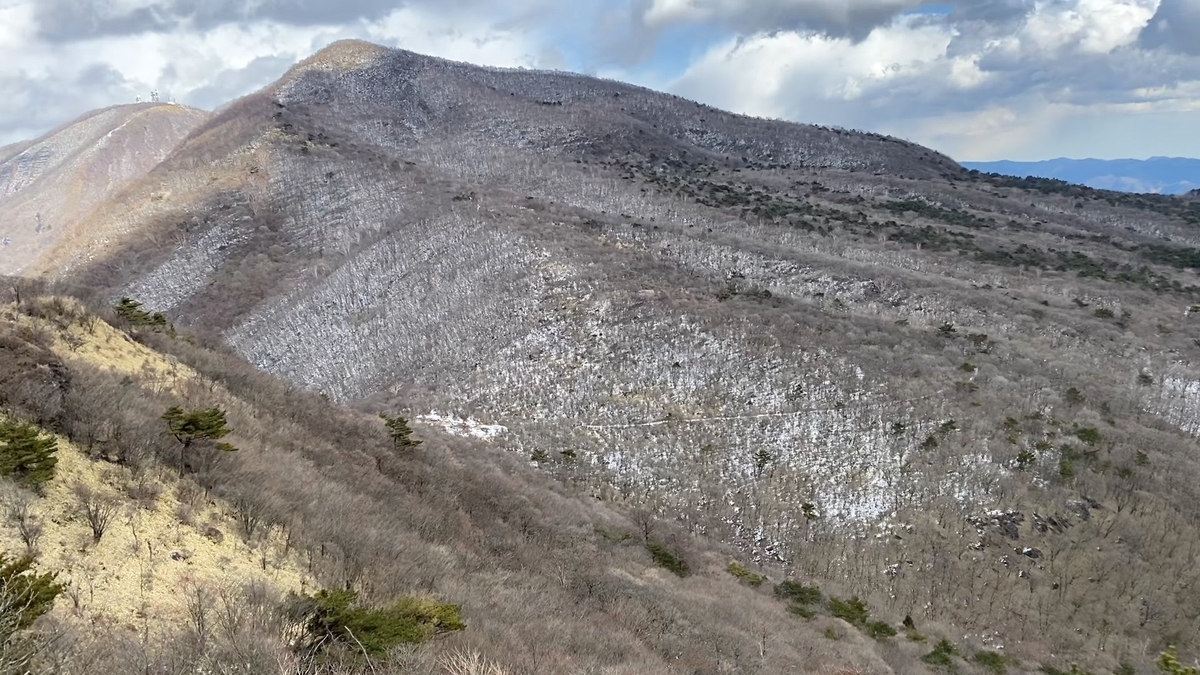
{"x": 976, "y": 79}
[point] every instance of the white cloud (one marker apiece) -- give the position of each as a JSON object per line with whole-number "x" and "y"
{"x": 51, "y": 82}
{"x": 973, "y": 88}
{"x": 797, "y": 75}
{"x": 1095, "y": 26}
{"x": 466, "y": 38}
{"x": 16, "y": 24}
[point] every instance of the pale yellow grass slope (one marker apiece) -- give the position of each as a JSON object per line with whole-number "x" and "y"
{"x": 155, "y": 553}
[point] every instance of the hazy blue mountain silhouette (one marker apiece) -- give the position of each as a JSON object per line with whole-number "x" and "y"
{"x": 1165, "y": 175}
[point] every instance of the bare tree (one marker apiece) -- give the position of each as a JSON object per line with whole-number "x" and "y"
{"x": 19, "y": 513}
{"x": 96, "y": 507}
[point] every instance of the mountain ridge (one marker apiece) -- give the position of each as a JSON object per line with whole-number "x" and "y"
{"x": 50, "y": 184}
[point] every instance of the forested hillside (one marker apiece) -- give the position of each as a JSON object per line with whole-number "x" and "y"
{"x": 640, "y": 336}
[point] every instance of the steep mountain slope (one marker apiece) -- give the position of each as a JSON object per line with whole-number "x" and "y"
{"x": 1160, "y": 175}
{"x": 548, "y": 579}
{"x": 968, "y": 398}
{"x": 48, "y": 185}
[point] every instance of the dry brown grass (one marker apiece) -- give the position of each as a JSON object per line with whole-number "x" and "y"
{"x": 148, "y": 560}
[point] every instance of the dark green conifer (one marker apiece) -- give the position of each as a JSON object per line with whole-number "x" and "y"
{"x": 26, "y": 456}
{"x": 400, "y": 431}
{"x": 204, "y": 425}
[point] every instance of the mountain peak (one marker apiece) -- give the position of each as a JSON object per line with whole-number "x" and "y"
{"x": 342, "y": 55}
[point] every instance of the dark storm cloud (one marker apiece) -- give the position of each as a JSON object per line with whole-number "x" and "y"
{"x": 853, "y": 18}
{"x": 1175, "y": 27}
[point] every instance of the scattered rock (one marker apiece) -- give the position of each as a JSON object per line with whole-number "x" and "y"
{"x": 1043, "y": 524}
{"x": 1007, "y": 523}
{"x": 1080, "y": 508}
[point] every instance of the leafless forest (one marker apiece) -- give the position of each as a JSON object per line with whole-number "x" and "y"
{"x": 831, "y": 356}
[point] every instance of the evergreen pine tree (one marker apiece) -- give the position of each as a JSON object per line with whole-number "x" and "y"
{"x": 400, "y": 431}
{"x": 200, "y": 425}
{"x": 24, "y": 596}
{"x": 131, "y": 310}
{"x": 25, "y": 455}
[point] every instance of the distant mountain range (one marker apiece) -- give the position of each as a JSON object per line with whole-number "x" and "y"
{"x": 1163, "y": 175}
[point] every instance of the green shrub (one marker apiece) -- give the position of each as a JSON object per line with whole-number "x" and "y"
{"x": 798, "y": 592}
{"x": 614, "y": 536}
{"x": 879, "y": 629}
{"x": 744, "y": 575}
{"x": 26, "y": 457}
{"x": 801, "y": 611}
{"x": 335, "y": 617}
{"x": 1066, "y": 468}
{"x": 400, "y": 432}
{"x": 762, "y": 459}
{"x": 942, "y": 656}
{"x": 131, "y": 311}
{"x": 1168, "y": 664}
{"x": 993, "y": 661}
{"x": 852, "y": 611}
{"x": 1089, "y": 435}
{"x": 199, "y": 426}
{"x": 1025, "y": 459}
{"x": 24, "y": 595}
{"x": 666, "y": 559}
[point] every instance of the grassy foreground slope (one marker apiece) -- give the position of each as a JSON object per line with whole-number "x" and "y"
{"x": 161, "y": 543}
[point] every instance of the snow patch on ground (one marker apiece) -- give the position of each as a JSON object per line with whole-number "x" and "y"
{"x": 468, "y": 428}
{"x": 1178, "y": 401}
